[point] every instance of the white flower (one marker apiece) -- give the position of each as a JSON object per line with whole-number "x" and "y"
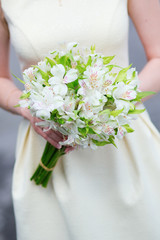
{"x": 44, "y": 66}
{"x": 70, "y": 76}
{"x": 108, "y": 86}
{"x": 45, "y": 102}
{"x": 68, "y": 106}
{"x": 24, "y": 103}
{"x": 121, "y": 132}
{"x": 108, "y": 127}
{"x": 71, "y": 45}
{"x": 43, "y": 113}
{"x": 59, "y": 79}
{"x": 121, "y": 104}
{"x": 94, "y": 77}
{"x": 28, "y": 75}
{"x": 123, "y": 119}
{"x": 124, "y": 91}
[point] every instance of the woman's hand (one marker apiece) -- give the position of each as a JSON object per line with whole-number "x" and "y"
{"x": 52, "y": 136}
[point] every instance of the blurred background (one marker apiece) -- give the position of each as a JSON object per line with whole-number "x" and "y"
{"x": 8, "y": 134}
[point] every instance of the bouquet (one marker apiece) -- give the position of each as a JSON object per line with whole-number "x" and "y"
{"x": 78, "y": 92}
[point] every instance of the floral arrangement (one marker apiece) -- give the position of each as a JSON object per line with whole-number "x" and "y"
{"x": 78, "y": 92}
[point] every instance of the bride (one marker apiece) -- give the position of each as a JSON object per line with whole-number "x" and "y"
{"x": 103, "y": 194}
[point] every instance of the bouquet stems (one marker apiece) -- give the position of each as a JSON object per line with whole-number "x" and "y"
{"x": 48, "y": 161}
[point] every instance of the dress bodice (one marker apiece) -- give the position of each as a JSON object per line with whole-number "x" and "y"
{"x": 36, "y": 27}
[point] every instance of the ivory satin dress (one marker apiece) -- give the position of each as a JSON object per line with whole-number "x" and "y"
{"x": 107, "y": 194}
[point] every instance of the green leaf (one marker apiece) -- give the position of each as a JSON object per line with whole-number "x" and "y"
{"x": 80, "y": 69}
{"x": 128, "y": 128}
{"x": 136, "y": 111}
{"x": 107, "y": 60}
{"x": 115, "y": 113}
{"x": 144, "y": 94}
{"x": 82, "y": 131}
{"x": 91, "y": 131}
{"x": 106, "y": 111}
{"x": 18, "y": 105}
{"x": 74, "y": 85}
{"x": 50, "y": 61}
{"x": 54, "y": 114}
{"x": 70, "y": 56}
{"x": 18, "y": 78}
{"x": 122, "y": 75}
{"x": 60, "y": 120}
{"x": 93, "y": 47}
{"x": 70, "y": 119}
{"x": 25, "y": 95}
{"x": 56, "y": 58}
{"x": 53, "y": 52}
{"x": 43, "y": 74}
{"x": 65, "y": 61}
{"x": 112, "y": 66}
{"x": 100, "y": 143}
{"x": 46, "y": 84}
{"x": 111, "y": 140}
{"x": 132, "y": 106}
{"x": 89, "y": 61}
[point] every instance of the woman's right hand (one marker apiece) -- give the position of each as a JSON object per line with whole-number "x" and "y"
{"x": 52, "y": 136}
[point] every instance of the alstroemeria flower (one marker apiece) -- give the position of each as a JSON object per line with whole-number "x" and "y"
{"x": 93, "y": 77}
{"x": 121, "y": 132}
{"x": 108, "y": 128}
{"x": 60, "y": 79}
{"x": 71, "y": 45}
{"x": 124, "y": 91}
{"x": 107, "y": 85}
{"x": 28, "y": 75}
{"x": 45, "y": 102}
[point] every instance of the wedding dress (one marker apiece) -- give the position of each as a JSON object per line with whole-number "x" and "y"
{"x": 107, "y": 194}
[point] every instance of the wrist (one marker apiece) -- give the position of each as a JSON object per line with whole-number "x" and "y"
{"x": 24, "y": 112}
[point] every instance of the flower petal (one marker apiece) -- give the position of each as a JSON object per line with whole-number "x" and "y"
{"x": 58, "y": 71}
{"x": 71, "y": 76}
{"x": 60, "y": 89}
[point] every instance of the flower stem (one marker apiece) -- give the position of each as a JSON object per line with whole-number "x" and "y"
{"x": 49, "y": 159}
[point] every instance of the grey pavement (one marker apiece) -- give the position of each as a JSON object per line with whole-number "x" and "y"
{"x": 8, "y": 133}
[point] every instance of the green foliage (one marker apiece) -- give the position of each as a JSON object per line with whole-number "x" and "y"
{"x": 50, "y": 61}
{"x": 106, "y": 111}
{"x": 144, "y": 94}
{"x": 110, "y": 67}
{"x": 89, "y": 62}
{"x": 111, "y": 140}
{"x": 107, "y": 60}
{"x": 128, "y": 128}
{"x": 122, "y": 75}
{"x": 100, "y": 143}
{"x": 65, "y": 61}
{"x": 18, "y": 105}
{"x": 43, "y": 74}
{"x": 93, "y": 47}
{"x": 136, "y": 111}
{"x": 74, "y": 85}
{"x": 115, "y": 113}
{"x": 80, "y": 68}
{"x": 25, "y": 95}
{"x": 56, "y": 117}
{"x": 18, "y": 78}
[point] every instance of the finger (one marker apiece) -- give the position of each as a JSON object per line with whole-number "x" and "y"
{"x": 52, "y": 134}
{"x": 46, "y": 137}
{"x": 69, "y": 149}
{"x": 58, "y": 133}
